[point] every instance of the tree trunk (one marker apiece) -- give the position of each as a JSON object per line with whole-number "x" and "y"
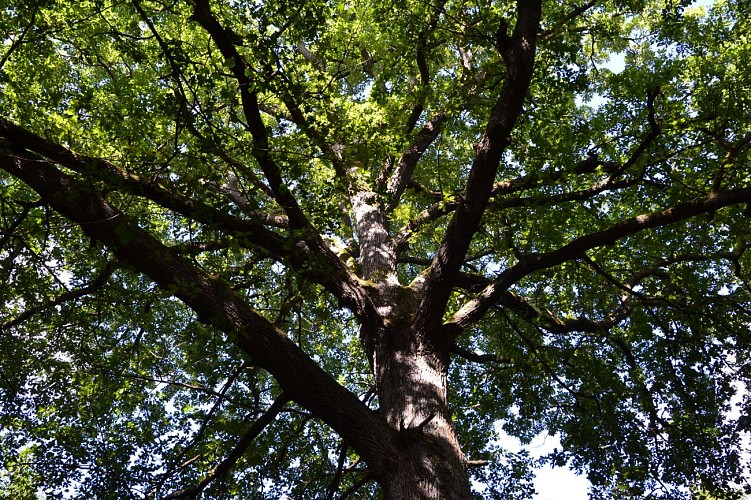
{"x": 410, "y": 370}
{"x": 411, "y": 378}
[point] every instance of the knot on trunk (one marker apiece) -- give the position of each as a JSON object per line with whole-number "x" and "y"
{"x": 408, "y": 435}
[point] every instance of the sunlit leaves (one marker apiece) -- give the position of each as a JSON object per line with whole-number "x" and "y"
{"x": 634, "y": 107}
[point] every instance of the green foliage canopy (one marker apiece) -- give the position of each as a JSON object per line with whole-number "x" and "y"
{"x": 603, "y": 295}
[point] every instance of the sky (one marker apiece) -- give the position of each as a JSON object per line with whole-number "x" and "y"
{"x": 551, "y": 483}
{"x": 559, "y": 483}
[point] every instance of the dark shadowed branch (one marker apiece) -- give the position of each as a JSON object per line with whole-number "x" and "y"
{"x": 408, "y": 160}
{"x": 93, "y": 286}
{"x": 213, "y": 302}
{"x": 220, "y": 472}
{"x": 518, "y": 55}
{"x": 330, "y": 272}
{"x": 477, "y": 307}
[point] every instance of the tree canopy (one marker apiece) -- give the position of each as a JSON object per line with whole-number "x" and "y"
{"x": 330, "y": 249}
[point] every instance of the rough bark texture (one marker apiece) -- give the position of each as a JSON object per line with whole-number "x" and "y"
{"x": 411, "y": 380}
{"x": 411, "y": 377}
{"x": 409, "y": 351}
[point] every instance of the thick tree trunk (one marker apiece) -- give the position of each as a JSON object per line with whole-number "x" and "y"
{"x": 411, "y": 379}
{"x": 410, "y": 371}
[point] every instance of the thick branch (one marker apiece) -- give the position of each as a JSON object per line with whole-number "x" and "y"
{"x": 519, "y": 58}
{"x": 553, "y": 323}
{"x": 214, "y": 304}
{"x": 221, "y": 396}
{"x": 188, "y": 115}
{"x": 9, "y": 233}
{"x": 225, "y": 42}
{"x": 328, "y": 270}
{"x": 477, "y": 307}
{"x": 164, "y": 195}
{"x": 337, "y": 479}
{"x": 347, "y": 287}
{"x": 367, "y": 477}
{"x": 521, "y": 183}
{"x": 589, "y": 164}
{"x": 540, "y": 318}
{"x": 410, "y": 157}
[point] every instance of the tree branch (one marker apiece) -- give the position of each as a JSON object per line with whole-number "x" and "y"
{"x": 220, "y": 471}
{"x": 225, "y": 42}
{"x": 8, "y": 234}
{"x": 94, "y": 285}
{"x": 321, "y": 266}
{"x": 478, "y": 358}
{"x": 337, "y": 479}
{"x": 345, "y": 285}
{"x": 410, "y": 157}
{"x": 587, "y": 165}
{"x": 18, "y": 41}
{"x": 519, "y": 58}
{"x": 428, "y": 215}
{"x": 551, "y": 200}
{"x": 214, "y": 304}
{"x": 367, "y": 477}
{"x": 544, "y": 319}
{"x": 164, "y": 195}
{"x": 220, "y": 397}
{"x": 422, "y": 68}
{"x": 575, "y": 12}
{"x": 477, "y": 307}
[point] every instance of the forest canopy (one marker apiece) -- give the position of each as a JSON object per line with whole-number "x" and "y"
{"x": 334, "y": 249}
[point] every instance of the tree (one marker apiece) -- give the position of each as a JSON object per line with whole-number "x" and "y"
{"x": 327, "y": 248}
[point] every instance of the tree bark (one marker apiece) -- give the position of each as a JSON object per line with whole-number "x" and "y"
{"x": 411, "y": 377}
{"x": 411, "y": 372}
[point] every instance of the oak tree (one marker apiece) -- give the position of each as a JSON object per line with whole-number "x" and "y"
{"x": 331, "y": 249}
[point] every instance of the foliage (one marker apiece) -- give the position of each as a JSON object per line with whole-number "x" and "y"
{"x": 603, "y": 294}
